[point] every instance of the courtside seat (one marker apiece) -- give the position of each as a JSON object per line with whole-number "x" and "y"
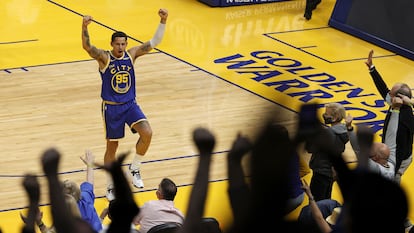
{"x": 169, "y": 227}
{"x": 210, "y": 225}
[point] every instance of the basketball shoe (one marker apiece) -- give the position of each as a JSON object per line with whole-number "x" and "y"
{"x": 136, "y": 178}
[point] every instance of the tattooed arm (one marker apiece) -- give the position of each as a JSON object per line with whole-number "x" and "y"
{"x": 98, "y": 54}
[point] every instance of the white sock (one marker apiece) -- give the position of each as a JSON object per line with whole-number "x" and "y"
{"x": 136, "y": 163}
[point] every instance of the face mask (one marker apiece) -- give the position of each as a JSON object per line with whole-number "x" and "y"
{"x": 328, "y": 119}
{"x": 388, "y": 99}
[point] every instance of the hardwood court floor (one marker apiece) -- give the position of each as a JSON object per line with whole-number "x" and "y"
{"x": 50, "y": 94}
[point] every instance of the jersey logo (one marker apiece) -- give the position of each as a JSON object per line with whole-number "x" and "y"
{"x": 121, "y": 82}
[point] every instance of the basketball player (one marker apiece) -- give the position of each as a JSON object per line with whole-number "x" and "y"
{"x": 119, "y": 106}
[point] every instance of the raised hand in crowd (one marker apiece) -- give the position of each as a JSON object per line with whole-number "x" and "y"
{"x": 63, "y": 218}
{"x": 205, "y": 142}
{"x": 31, "y": 185}
{"x": 123, "y": 207}
{"x": 238, "y": 190}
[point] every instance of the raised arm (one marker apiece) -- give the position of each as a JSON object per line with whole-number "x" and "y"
{"x": 376, "y": 77}
{"x": 352, "y": 136}
{"x": 123, "y": 207}
{"x": 316, "y": 212}
{"x": 98, "y": 54}
{"x": 205, "y": 142}
{"x": 368, "y": 62}
{"x": 88, "y": 160}
{"x": 62, "y": 218}
{"x": 31, "y": 185}
{"x": 238, "y": 189}
{"x": 156, "y": 39}
{"x": 39, "y": 221}
{"x": 365, "y": 138}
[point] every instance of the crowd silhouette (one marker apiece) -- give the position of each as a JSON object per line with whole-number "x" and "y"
{"x": 373, "y": 200}
{"x": 259, "y": 200}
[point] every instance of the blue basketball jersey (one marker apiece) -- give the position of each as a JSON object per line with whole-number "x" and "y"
{"x": 118, "y": 79}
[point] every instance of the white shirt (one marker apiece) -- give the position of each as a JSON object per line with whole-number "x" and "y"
{"x": 157, "y": 212}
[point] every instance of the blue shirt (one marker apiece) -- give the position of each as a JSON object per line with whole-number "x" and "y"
{"x": 87, "y": 208}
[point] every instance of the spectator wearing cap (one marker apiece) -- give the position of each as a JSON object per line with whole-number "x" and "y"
{"x": 323, "y": 213}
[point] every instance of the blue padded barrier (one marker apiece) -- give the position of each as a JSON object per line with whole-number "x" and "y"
{"x": 386, "y": 23}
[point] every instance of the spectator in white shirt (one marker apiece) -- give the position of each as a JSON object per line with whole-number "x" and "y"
{"x": 156, "y": 212}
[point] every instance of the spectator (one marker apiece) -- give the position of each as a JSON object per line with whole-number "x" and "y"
{"x": 39, "y": 222}
{"x": 398, "y": 123}
{"x": 270, "y": 157}
{"x": 205, "y": 142}
{"x": 84, "y": 194}
{"x": 109, "y": 211}
{"x": 64, "y": 220}
{"x": 31, "y": 185}
{"x": 238, "y": 189}
{"x": 160, "y": 211}
{"x": 380, "y": 160}
{"x": 123, "y": 208}
{"x": 317, "y": 213}
{"x": 73, "y": 208}
{"x": 364, "y": 192}
{"x": 323, "y": 174}
{"x": 400, "y": 92}
{"x": 295, "y": 192}
{"x": 237, "y": 185}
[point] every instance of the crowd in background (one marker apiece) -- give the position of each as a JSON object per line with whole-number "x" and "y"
{"x": 373, "y": 200}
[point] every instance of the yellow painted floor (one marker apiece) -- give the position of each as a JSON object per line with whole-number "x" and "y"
{"x": 269, "y": 36}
